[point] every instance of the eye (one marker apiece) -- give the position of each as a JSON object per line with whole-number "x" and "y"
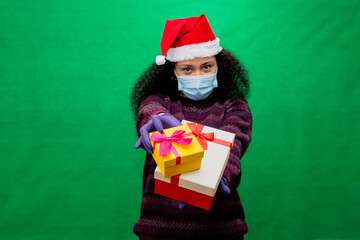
{"x": 187, "y": 70}
{"x": 207, "y": 67}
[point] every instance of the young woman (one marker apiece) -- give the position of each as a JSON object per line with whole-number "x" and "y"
{"x": 203, "y": 83}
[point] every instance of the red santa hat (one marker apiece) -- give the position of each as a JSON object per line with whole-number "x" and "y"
{"x": 188, "y": 38}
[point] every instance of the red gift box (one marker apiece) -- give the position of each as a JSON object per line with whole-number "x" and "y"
{"x": 198, "y": 187}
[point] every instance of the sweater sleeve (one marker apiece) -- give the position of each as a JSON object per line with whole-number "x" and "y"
{"x": 238, "y": 120}
{"x": 150, "y": 106}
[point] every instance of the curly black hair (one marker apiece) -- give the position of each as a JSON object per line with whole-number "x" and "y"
{"x": 233, "y": 81}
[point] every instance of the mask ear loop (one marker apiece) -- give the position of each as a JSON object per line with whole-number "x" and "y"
{"x": 175, "y": 73}
{"x": 174, "y": 76}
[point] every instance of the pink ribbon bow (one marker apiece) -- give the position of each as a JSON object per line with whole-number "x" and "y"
{"x": 165, "y": 142}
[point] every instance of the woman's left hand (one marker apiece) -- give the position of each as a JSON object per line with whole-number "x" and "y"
{"x": 223, "y": 188}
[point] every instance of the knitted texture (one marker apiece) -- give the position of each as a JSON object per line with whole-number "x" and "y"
{"x": 160, "y": 217}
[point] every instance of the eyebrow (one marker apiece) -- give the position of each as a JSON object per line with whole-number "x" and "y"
{"x": 207, "y": 63}
{"x": 190, "y": 65}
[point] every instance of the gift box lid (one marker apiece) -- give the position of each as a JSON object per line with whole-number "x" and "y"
{"x": 185, "y": 151}
{"x": 206, "y": 180}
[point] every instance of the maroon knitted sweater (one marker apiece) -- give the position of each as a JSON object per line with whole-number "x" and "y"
{"x": 160, "y": 216}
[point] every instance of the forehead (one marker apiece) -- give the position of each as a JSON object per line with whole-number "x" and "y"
{"x": 196, "y": 61}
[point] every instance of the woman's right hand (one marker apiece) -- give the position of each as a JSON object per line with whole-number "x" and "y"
{"x": 157, "y": 123}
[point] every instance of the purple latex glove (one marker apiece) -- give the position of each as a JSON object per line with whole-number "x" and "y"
{"x": 223, "y": 189}
{"x": 157, "y": 123}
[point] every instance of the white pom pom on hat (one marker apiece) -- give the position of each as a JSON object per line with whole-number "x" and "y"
{"x": 187, "y": 38}
{"x": 160, "y": 60}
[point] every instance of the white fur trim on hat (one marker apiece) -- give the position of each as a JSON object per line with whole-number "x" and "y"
{"x": 191, "y": 51}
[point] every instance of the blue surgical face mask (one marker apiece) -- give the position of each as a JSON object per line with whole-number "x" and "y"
{"x": 197, "y": 87}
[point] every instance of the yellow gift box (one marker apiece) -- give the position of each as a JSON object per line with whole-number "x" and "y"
{"x": 181, "y": 156}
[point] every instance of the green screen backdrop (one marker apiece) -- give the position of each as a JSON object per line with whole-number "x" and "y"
{"x": 68, "y": 167}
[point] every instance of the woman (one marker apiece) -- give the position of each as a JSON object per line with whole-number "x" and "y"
{"x": 203, "y": 83}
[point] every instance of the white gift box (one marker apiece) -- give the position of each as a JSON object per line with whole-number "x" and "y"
{"x": 199, "y": 187}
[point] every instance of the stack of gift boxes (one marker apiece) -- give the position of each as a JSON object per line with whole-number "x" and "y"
{"x": 191, "y": 160}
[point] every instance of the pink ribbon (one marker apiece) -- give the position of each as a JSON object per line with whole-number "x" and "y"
{"x": 166, "y": 142}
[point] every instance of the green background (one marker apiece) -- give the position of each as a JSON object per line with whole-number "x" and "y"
{"x": 68, "y": 167}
